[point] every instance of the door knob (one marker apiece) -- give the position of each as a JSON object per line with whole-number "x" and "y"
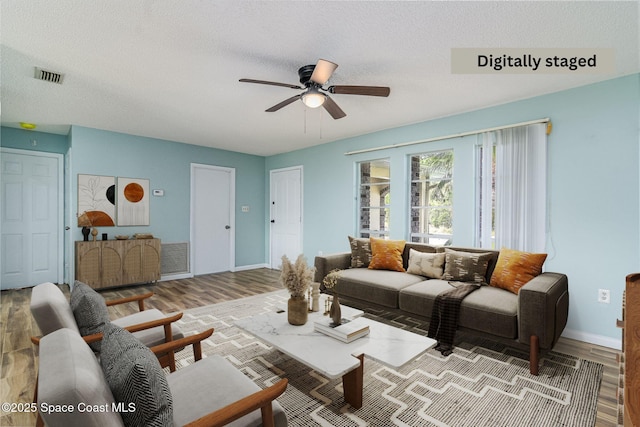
{"x": 273, "y": 221}
{"x": 226, "y": 227}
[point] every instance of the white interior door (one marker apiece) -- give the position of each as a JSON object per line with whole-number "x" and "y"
{"x": 212, "y": 219}
{"x": 286, "y": 214}
{"x": 31, "y": 221}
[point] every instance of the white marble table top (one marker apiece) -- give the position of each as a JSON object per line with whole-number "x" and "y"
{"x": 332, "y": 358}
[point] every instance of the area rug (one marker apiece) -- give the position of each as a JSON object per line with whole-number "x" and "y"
{"x": 481, "y": 384}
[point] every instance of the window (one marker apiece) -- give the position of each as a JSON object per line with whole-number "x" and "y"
{"x": 375, "y": 198}
{"x": 431, "y": 198}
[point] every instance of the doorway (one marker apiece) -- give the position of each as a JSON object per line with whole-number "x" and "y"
{"x": 31, "y": 220}
{"x": 212, "y": 219}
{"x": 286, "y": 214}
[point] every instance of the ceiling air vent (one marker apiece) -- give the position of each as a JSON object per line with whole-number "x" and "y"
{"x": 48, "y": 76}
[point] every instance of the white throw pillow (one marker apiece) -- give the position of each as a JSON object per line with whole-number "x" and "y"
{"x": 426, "y": 264}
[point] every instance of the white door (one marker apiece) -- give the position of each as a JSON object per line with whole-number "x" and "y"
{"x": 31, "y": 218}
{"x": 212, "y": 219}
{"x": 286, "y": 214}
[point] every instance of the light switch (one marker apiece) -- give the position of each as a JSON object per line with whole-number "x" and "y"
{"x": 245, "y": 209}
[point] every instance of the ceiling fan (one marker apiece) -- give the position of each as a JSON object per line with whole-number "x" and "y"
{"x": 313, "y": 78}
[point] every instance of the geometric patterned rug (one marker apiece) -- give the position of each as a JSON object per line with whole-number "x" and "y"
{"x": 482, "y": 383}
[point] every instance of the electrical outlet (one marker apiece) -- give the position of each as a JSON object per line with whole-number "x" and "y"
{"x": 604, "y": 296}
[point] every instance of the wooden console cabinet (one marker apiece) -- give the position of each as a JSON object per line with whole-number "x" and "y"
{"x": 630, "y": 363}
{"x": 108, "y": 263}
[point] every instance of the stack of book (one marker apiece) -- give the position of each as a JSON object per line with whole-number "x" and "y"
{"x": 347, "y": 331}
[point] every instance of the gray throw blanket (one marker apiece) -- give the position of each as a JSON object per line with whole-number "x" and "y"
{"x": 444, "y": 317}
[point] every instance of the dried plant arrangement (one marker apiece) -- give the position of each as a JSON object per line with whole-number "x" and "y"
{"x": 296, "y": 277}
{"x": 330, "y": 281}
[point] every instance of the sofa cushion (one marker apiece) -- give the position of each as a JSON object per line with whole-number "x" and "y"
{"x": 426, "y": 264}
{"x": 89, "y": 310}
{"x": 51, "y": 309}
{"x": 210, "y": 384}
{"x": 466, "y": 266}
{"x": 375, "y": 286}
{"x": 515, "y": 268}
{"x": 360, "y": 252}
{"x": 488, "y": 309}
{"x": 136, "y": 379}
{"x": 69, "y": 374}
{"x": 420, "y": 247}
{"x": 386, "y": 254}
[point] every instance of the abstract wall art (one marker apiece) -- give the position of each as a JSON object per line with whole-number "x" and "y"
{"x": 96, "y": 200}
{"x": 133, "y": 201}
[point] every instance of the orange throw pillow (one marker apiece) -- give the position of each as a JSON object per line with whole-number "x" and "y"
{"x": 515, "y": 268}
{"x": 386, "y": 254}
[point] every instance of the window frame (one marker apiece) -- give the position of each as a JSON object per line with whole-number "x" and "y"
{"x": 419, "y": 236}
{"x": 384, "y": 225}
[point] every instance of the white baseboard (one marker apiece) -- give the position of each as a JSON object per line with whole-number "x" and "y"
{"x": 593, "y": 338}
{"x": 251, "y": 267}
{"x": 176, "y": 276}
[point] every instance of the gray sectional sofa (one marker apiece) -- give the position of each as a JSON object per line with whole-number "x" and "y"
{"x": 533, "y": 318}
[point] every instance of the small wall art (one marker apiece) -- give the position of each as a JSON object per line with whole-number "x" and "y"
{"x": 133, "y": 201}
{"x": 96, "y": 200}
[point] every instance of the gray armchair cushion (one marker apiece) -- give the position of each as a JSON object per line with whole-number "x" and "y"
{"x": 211, "y": 384}
{"x": 148, "y": 337}
{"x": 50, "y": 309}
{"x": 69, "y": 374}
{"x": 89, "y": 310}
{"x": 135, "y": 378}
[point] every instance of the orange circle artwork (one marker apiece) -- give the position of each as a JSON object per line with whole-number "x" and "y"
{"x": 133, "y": 192}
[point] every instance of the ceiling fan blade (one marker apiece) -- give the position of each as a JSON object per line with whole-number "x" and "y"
{"x": 323, "y": 71}
{"x": 264, "y": 82}
{"x": 333, "y": 109}
{"x": 360, "y": 90}
{"x": 283, "y": 104}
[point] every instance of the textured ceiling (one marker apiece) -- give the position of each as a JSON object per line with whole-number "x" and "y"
{"x": 170, "y": 69}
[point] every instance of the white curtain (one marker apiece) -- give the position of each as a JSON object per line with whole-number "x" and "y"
{"x": 485, "y": 220}
{"x": 520, "y": 188}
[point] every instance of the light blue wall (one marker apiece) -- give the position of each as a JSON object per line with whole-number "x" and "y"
{"x": 31, "y": 140}
{"x": 168, "y": 166}
{"x": 594, "y": 189}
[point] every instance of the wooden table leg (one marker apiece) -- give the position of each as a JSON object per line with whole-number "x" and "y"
{"x": 352, "y": 383}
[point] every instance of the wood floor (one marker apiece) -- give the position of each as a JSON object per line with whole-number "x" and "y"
{"x": 19, "y": 357}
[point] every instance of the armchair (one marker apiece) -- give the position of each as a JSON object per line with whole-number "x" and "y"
{"x": 209, "y": 392}
{"x": 52, "y": 311}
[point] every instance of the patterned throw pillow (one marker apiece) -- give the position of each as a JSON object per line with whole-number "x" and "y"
{"x": 466, "y": 266}
{"x": 360, "y": 252}
{"x": 89, "y": 310}
{"x": 386, "y": 254}
{"x": 136, "y": 379}
{"x": 426, "y": 264}
{"x": 515, "y": 268}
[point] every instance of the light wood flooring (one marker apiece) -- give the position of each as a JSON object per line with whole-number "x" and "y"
{"x": 19, "y": 355}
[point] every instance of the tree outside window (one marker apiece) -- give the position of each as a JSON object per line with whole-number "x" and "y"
{"x": 431, "y": 198}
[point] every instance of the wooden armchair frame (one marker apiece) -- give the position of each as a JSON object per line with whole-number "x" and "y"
{"x": 260, "y": 400}
{"x": 135, "y": 298}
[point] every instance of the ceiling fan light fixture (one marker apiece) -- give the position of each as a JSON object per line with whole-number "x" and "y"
{"x": 313, "y": 99}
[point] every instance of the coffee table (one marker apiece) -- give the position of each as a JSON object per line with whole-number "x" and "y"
{"x": 333, "y": 358}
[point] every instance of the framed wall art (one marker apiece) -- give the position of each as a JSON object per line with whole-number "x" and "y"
{"x": 133, "y": 201}
{"x": 96, "y": 201}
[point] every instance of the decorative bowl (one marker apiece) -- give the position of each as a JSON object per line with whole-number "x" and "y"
{"x": 121, "y": 237}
